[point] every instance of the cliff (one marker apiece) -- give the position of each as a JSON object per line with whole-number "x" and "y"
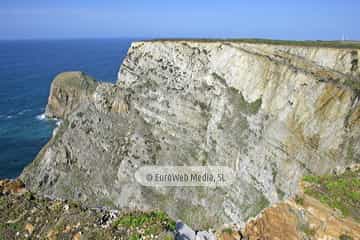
{"x": 273, "y": 113}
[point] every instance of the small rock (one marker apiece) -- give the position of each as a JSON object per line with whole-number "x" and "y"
{"x": 12, "y": 187}
{"x": 77, "y": 236}
{"x": 184, "y": 232}
{"x": 29, "y": 228}
{"x": 203, "y": 235}
{"x": 67, "y": 229}
{"x": 51, "y": 235}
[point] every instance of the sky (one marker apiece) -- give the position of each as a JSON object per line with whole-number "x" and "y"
{"x": 293, "y": 20}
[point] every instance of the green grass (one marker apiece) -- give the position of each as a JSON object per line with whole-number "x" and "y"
{"x": 341, "y": 192}
{"x": 227, "y": 230}
{"x": 327, "y": 44}
{"x": 135, "y": 237}
{"x": 14, "y": 227}
{"x": 153, "y": 222}
{"x": 168, "y": 237}
{"x": 311, "y": 179}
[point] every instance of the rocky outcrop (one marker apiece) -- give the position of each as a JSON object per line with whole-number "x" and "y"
{"x": 67, "y": 91}
{"x": 331, "y": 213}
{"x": 272, "y": 113}
{"x": 308, "y": 220}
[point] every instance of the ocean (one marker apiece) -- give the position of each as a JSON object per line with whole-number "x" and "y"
{"x": 27, "y": 68}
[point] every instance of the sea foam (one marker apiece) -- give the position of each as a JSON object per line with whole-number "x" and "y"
{"x": 41, "y": 117}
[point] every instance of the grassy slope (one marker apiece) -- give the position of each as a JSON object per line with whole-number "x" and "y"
{"x": 27, "y": 216}
{"x": 341, "y": 192}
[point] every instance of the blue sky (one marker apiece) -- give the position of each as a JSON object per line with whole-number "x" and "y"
{"x": 302, "y": 20}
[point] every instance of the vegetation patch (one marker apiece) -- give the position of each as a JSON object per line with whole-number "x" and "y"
{"x": 27, "y": 216}
{"x": 227, "y": 230}
{"x": 341, "y": 192}
{"x": 144, "y": 224}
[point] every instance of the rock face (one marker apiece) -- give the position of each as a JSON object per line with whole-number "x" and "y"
{"x": 67, "y": 90}
{"x": 271, "y": 112}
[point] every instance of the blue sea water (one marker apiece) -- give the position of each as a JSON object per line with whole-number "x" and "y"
{"x": 27, "y": 68}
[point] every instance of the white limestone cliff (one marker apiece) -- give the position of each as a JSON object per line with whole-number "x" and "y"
{"x": 270, "y": 112}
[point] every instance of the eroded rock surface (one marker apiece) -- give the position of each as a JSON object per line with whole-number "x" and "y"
{"x": 323, "y": 209}
{"x": 272, "y": 113}
{"x": 67, "y": 91}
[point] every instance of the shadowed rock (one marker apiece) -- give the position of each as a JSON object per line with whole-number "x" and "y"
{"x": 184, "y": 232}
